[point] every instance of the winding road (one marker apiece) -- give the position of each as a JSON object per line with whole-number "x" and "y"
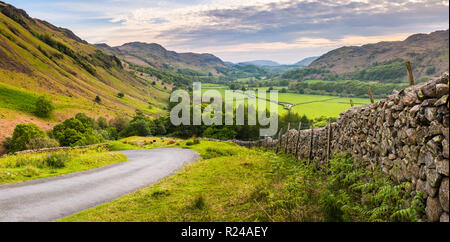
{"x": 49, "y": 199}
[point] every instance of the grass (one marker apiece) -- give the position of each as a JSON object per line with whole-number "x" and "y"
{"x": 26, "y": 167}
{"x": 230, "y": 184}
{"x": 233, "y": 183}
{"x": 16, "y": 99}
{"x": 313, "y": 106}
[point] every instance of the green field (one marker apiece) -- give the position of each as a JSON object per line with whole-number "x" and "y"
{"x": 19, "y": 168}
{"x": 313, "y": 106}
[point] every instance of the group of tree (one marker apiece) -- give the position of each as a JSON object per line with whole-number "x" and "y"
{"x": 83, "y": 130}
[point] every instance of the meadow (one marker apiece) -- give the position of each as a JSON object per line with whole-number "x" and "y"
{"x": 24, "y": 167}
{"x": 313, "y": 106}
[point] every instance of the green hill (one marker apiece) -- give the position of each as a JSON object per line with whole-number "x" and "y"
{"x": 383, "y": 61}
{"x": 38, "y": 58}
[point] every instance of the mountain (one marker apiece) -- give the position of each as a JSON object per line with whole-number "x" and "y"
{"x": 37, "y": 58}
{"x": 260, "y": 63}
{"x": 157, "y": 56}
{"x": 428, "y": 53}
{"x": 307, "y": 61}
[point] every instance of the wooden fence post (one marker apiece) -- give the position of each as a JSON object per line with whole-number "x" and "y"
{"x": 287, "y": 138}
{"x": 311, "y": 143}
{"x": 372, "y": 100}
{"x": 329, "y": 141}
{"x": 352, "y": 103}
{"x": 298, "y": 140}
{"x": 279, "y": 141}
{"x": 410, "y": 73}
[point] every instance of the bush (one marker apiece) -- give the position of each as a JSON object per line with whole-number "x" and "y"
{"x": 136, "y": 128}
{"x": 120, "y": 95}
{"x": 97, "y": 99}
{"x": 23, "y": 134}
{"x": 109, "y": 133}
{"x": 41, "y": 143}
{"x": 56, "y": 160}
{"x": 77, "y": 131}
{"x": 44, "y": 107}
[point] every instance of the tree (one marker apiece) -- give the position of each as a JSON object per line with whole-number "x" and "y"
{"x": 120, "y": 123}
{"x": 87, "y": 121}
{"x": 23, "y": 134}
{"x": 102, "y": 123}
{"x": 44, "y": 107}
{"x": 98, "y": 99}
{"x": 136, "y": 128}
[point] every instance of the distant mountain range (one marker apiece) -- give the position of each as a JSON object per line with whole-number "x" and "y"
{"x": 268, "y": 63}
{"x": 157, "y": 56}
{"x": 260, "y": 63}
{"x": 307, "y": 61}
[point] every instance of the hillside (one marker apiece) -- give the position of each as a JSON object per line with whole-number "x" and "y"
{"x": 38, "y": 58}
{"x": 384, "y": 61}
{"x": 155, "y": 55}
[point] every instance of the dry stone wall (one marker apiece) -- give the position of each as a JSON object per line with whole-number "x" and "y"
{"x": 406, "y": 135}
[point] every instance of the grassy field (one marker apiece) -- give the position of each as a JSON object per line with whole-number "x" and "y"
{"x": 313, "y": 106}
{"x": 230, "y": 184}
{"x": 233, "y": 183}
{"x": 33, "y": 166}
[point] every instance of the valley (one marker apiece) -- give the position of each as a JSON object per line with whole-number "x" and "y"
{"x": 360, "y": 133}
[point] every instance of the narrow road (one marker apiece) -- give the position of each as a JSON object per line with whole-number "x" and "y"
{"x": 49, "y": 199}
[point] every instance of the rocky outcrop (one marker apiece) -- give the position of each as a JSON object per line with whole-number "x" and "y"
{"x": 406, "y": 135}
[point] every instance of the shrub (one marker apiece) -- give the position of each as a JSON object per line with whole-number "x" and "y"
{"x": 98, "y": 99}
{"x": 30, "y": 171}
{"x": 136, "y": 128}
{"x": 44, "y": 107}
{"x": 120, "y": 95}
{"x": 56, "y": 160}
{"x": 22, "y": 135}
{"x": 41, "y": 143}
{"x": 109, "y": 133}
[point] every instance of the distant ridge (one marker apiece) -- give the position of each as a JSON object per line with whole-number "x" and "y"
{"x": 152, "y": 54}
{"x": 307, "y": 61}
{"x": 260, "y": 63}
{"x": 429, "y": 54}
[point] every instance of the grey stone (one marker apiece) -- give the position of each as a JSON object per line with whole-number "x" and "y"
{"x": 443, "y": 194}
{"x": 441, "y": 90}
{"x": 442, "y": 167}
{"x": 421, "y": 187}
{"x": 433, "y": 177}
{"x": 430, "y": 113}
{"x": 433, "y": 209}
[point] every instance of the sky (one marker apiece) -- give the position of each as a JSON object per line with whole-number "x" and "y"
{"x": 285, "y": 31}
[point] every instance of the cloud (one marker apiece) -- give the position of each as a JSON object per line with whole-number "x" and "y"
{"x": 239, "y": 30}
